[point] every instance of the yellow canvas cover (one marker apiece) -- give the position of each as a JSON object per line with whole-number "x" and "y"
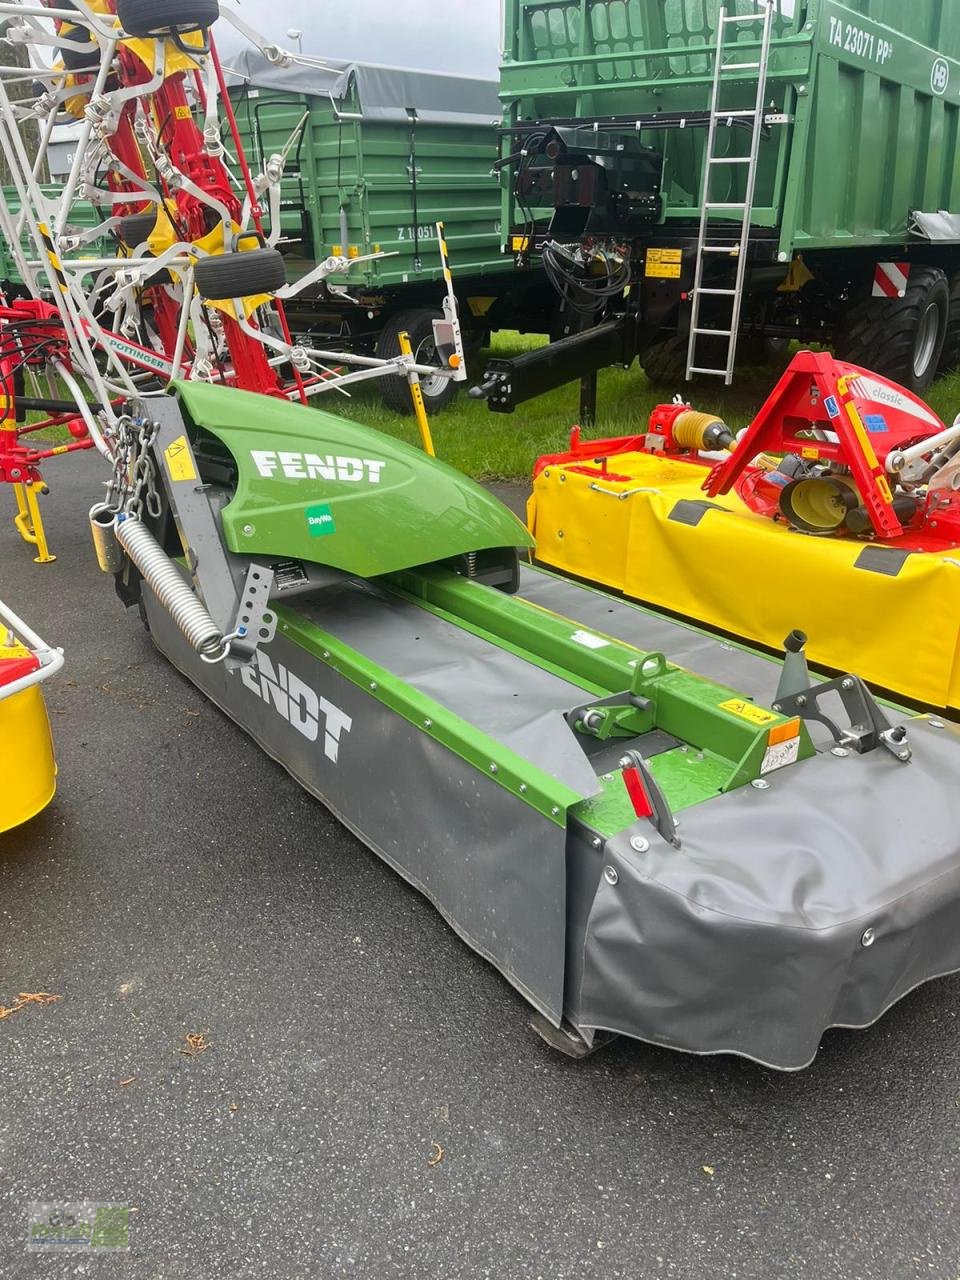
{"x": 647, "y": 529}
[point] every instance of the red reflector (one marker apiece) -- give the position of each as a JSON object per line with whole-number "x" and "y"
{"x": 637, "y": 793}
{"x": 15, "y": 668}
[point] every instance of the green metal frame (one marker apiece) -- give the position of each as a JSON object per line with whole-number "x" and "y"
{"x": 728, "y": 748}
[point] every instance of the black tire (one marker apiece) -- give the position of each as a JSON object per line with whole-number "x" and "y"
{"x": 665, "y": 362}
{"x": 900, "y": 338}
{"x": 757, "y": 349}
{"x": 950, "y": 355}
{"x": 147, "y": 17}
{"x": 135, "y": 228}
{"x": 239, "y": 275}
{"x": 437, "y": 391}
{"x": 76, "y": 60}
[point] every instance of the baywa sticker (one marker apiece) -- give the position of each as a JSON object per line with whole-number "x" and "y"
{"x": 311, "y": 466}
{"x": 320, "y": 520}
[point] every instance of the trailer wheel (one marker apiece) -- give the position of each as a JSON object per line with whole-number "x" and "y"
{"x": 135, "y": 228}
{"x": 239, "y": 275}
{"x": 950, "y": 355}
{"x": 665, "y": 362}
{"x": 758, "y": 349}
{"x": 901, "y": 338}
{"x": 437, "y": 391}
{"x": 147, "y": 17}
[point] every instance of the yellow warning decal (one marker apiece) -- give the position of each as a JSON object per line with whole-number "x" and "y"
{"x": 663, "y": 264}
{"x": 520, "y": 244}
{"x": 182, "y": 112}
{"x": 179, "y": 460}
{"x": 747, "y": 711}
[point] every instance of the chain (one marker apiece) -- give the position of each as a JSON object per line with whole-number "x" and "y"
{"x": 134, "y": 482}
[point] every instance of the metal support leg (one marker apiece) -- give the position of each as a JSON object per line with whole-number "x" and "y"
{"x": 588, "y": 400}
{"x": 29, "y": 521}
{"x": 416, "y": 395}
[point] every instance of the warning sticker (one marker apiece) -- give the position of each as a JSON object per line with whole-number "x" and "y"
{"x": 588, "y": 641}
{"x": 780, "y": 754}
{"x": 179, "y": 460}
{"x": 747, "y": 711}
{"x": 663, "y": 264}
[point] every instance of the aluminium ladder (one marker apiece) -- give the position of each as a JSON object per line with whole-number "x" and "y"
{"x": 742, "y": 209}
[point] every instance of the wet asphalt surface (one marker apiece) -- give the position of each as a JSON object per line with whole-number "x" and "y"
{"x": 182, "y": 883}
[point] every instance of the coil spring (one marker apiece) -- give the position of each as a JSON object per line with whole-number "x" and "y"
{"x": 471, "y": 559}
{"x": 167, "y": 584}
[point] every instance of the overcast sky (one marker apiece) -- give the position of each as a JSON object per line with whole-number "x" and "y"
{"x": 446, "y": 35}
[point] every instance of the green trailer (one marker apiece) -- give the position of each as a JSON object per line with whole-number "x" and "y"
{"x": 707, "y": 182}
{"x": 375, "y": 157}
{"x": 83, "y": 216}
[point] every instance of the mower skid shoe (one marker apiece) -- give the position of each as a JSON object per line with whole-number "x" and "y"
{"x": 567, "y": 1040}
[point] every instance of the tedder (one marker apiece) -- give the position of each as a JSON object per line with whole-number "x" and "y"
{"x": 710, "y": 850}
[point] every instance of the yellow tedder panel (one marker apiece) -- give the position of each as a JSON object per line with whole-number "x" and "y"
{"x": 26, "y": 752}
{"x": 890, "y": 616}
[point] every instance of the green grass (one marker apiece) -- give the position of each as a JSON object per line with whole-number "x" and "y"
{"x": 504, "y": 446}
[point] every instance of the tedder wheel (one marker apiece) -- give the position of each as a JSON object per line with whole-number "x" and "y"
{"x": 239, "y": 275}
{"x": 135, "y": 227}
{"x": 950, "y": 355}
{"x": 76, "y": 59}
{"x": 147, "y": 17}
{"x": 437, "y": 391}
{"x": 901, "y": 338}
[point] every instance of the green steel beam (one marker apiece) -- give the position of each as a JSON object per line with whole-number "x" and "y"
{"x": 506, "y": 768}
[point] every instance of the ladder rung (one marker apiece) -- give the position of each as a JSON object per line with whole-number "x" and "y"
{"x": 728, "y": 160}
{"x": 721, "y": 248}
{"x": 716, "y": 373}
{"x": 718, "y": 293}
{"x": 740, "y": 66}
{"x": 722, "y": 204}
{"x": 715, "y": 333}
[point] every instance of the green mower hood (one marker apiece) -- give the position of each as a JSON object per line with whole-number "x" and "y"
{"x": 312, "y": 486}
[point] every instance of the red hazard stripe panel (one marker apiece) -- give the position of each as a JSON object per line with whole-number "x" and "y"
{"x": 637, "y": 793}
{"x": 890, "y": 279}
{"x": 16, "y": 668}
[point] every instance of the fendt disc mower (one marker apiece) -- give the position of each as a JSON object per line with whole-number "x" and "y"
{"x": 647, "y": 831}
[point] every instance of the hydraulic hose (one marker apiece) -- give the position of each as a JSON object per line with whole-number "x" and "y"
{"x": 165, "y": 580}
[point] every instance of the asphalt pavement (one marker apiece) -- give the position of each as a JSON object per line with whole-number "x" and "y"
{"x": 182, "y": 884}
